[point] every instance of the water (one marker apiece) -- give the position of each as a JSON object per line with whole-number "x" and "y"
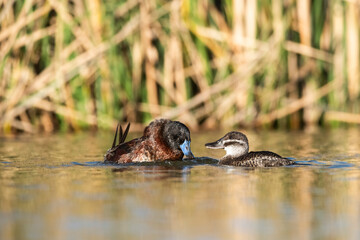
{"x": 55, "y": 187}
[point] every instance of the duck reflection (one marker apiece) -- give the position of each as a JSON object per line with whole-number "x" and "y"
{"x": 164, "y": 169}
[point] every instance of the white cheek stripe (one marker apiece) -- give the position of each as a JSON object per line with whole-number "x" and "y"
{"x": 236, "y": 150}
{"x": 234, "y": 141}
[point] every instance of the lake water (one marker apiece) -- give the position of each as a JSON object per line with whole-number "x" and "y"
{"x": 56, "y": 187}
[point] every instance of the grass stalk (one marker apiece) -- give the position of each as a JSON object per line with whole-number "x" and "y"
{"x": 87, "y": 64}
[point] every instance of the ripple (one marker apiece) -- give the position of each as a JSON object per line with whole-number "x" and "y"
{"x": 88, "y": 164}
{"x": 5, "y": 162}
{"x": 179, "y": 163}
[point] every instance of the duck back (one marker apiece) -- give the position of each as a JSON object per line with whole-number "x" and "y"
{"x": 257, "y": 159}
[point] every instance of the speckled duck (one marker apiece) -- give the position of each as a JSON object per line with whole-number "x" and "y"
{"x": 236, "y": 146}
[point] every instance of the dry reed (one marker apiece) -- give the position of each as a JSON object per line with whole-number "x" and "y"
{"x": 85, "y": 63}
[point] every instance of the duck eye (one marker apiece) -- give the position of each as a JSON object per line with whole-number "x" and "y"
{"x": 176, "y": 138}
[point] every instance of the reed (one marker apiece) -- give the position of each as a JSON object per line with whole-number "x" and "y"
{"x": 71, "y": 65}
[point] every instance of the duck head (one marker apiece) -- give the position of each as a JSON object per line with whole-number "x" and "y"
{"x": 177, "y": 136}
{"x": 235, "y": 144}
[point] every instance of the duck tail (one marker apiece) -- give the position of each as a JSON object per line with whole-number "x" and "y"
{"x": 117, "y": 129}
{"x": 122, "y": 135}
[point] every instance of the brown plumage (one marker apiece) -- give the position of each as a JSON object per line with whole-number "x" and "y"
{"x": 162, "y": 140}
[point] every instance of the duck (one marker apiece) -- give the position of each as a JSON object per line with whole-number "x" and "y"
{"x": 162, "y": 139}
{"x": 236, "y": 146}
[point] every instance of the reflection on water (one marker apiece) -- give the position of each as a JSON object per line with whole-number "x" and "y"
{"x": 57, "y": 188}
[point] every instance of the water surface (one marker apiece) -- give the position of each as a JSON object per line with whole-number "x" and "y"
{"x": 56, "y": 187}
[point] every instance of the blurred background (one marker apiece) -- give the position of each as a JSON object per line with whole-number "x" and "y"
{"x": 88, "y": 64}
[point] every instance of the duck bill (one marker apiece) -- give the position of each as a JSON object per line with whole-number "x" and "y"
{"x": 185, "y": 148}
{"x": 214, "y": 145}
